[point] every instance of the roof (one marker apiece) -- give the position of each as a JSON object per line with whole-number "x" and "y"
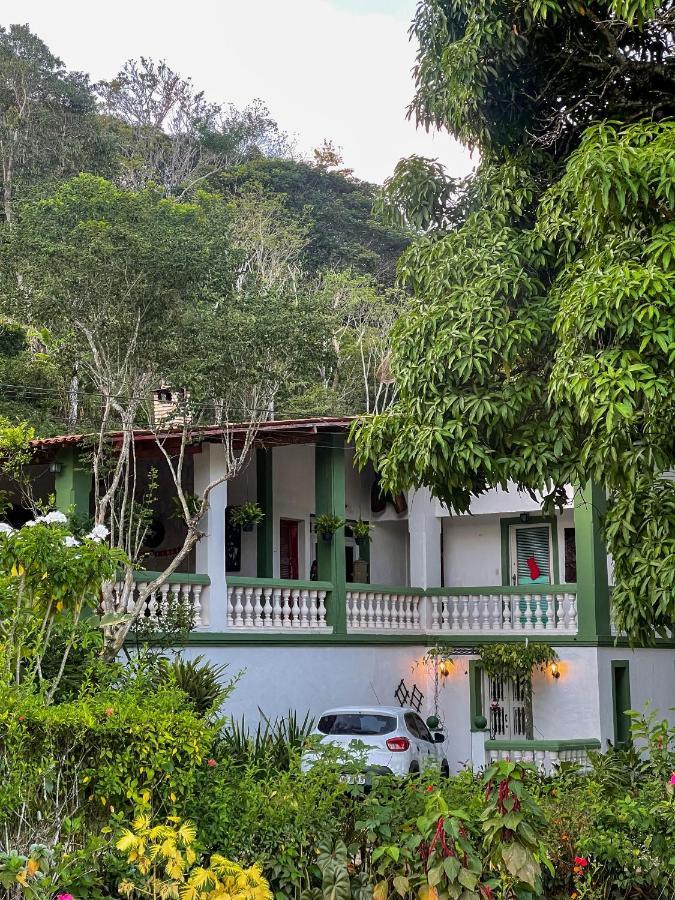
{"x": 274, "y": 432}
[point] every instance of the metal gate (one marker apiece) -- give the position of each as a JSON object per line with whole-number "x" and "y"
{"x": 506, "y": 704}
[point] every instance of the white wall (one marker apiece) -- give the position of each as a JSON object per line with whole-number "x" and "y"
{"x": 389, "y": 554}
{"x": 652, "y": 679}
{"x": 472, "y": 549}
{"x": 510, "y": 501}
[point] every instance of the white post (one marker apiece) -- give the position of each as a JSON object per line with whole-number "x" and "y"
{"x": 424, "y": 527}
{"x": 210, "y": 551}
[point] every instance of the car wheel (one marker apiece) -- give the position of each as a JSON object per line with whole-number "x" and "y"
{"x": 414, "y": 769}
{"x": 445, "y": 769}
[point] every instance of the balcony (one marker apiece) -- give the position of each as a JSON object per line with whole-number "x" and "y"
{"x": 273, "y": 605}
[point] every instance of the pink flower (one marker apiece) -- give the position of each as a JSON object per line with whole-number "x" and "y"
{"x": 211, "y": 763}
{"x": 64, "y": 897}
{"x": 672, "y": 779}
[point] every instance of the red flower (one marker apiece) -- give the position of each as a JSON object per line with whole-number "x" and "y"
{"x": 21, "y": 718}
{"x": 580, "y": 861}
{"x": 430, "y": 788}
{"x": 109, "y": 711}
{"x": 211, "y": 763}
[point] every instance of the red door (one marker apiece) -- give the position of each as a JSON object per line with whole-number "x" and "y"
{"x": 288, "y": 549}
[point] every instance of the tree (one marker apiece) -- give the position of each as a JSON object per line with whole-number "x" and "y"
{"x": 342, "y": 233}
{"x": 140, "y": 291}
{"x": 48, "y": 124}
{"x": 538, "y": 346}
{"x": 168, "y": 133}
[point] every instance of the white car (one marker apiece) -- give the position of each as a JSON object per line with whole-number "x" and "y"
{"x": 397, "y": 740}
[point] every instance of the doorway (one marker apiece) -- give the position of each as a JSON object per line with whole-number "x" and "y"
{"x": 289, "y": 531}
{"x": 530, "y": 554}
{"x": 621, "y": 701}
{"x": 507, "y": 713}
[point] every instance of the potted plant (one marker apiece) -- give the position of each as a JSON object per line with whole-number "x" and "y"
{"x": 247, "y": 515}
{"x": 327, "y": 524}
{"x": 361, "y": 531}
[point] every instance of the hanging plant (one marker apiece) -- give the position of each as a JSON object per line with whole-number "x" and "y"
{"x": 327, "y": 524}
{"x": 361, "y": 531}
{"x": 518, "y": 661}
{"x": 247, "y": 515}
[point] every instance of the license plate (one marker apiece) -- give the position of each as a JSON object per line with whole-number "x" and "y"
{"x": 353, "y": 779}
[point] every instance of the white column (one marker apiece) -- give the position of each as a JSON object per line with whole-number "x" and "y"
{"x": 210, "y": 551}
{"x": 424, "y": 527}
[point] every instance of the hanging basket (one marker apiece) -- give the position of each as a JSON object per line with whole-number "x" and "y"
{"x": 327, "y": 537}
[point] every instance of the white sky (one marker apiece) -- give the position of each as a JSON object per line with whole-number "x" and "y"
{"x": 336, "y": 69}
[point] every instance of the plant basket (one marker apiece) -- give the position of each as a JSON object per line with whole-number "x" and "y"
{"x": 248, "y": 527}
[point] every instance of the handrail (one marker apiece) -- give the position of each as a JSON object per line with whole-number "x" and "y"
{"x": 144, "y": 575}
{"x": 570, "y": 744}
{"x": 241, "y": 581}
{"x": 386, "y": 588}
{"x": 534, "y": 588}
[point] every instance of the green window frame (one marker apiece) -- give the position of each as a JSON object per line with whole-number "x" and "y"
{"x": 505, "y": 526}
{"x": 621, "y": 701}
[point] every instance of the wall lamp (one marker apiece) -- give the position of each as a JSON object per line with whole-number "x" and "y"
{"x": 524, "y": 517}
{"x": 55, "y": 467}
{"x": 555, "y": 671}
{"x": 444, "y": 667}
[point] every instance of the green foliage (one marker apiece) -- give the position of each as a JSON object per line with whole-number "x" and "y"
{"x": 516, "y": 660}
{"x": 247, "y": 514}
{"x": 327, "y": 524}
{"x": 273, "y": 746}
{"x": 48, "y": 579}
{"x": 201, "y": 681}
{"x": 539, "y": 342}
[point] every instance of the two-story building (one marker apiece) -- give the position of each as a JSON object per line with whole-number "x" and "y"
{"x": 315, "y": 623}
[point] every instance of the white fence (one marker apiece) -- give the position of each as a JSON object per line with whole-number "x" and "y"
{"x": 485, "y": 610}
{"x": 283, "y": 607}
{"x": 193, "y": 597}
{"x": 379, "y": 610}
{"x": 547, "y": 756}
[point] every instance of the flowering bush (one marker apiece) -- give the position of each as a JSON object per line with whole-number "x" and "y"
{"x": 48, "y": 579}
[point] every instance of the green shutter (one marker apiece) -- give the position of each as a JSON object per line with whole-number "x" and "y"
{"x": 533, "y": 542}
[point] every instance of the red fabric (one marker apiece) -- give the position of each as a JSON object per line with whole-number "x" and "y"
{"x": 535, "y": 571}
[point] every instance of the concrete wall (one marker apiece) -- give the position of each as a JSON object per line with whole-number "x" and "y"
{"x": 472, "y": 548}
{"x": 652, "y": 680}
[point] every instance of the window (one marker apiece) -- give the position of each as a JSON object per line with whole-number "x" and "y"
{"x": 621, "y": 701}
{"x": 415, "y": 725}
{"x": 570, "y": 555}
{"x": 356, "y": 724}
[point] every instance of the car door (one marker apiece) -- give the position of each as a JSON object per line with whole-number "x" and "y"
{"x": 425, "y": 742}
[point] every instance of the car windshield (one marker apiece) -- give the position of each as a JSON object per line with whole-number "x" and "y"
{"x": 356, "y": 723}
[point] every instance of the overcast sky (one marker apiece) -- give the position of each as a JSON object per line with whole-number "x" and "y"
{"x": 336, "y": 69}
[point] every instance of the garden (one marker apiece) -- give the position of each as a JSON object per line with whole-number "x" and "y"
{"x": 125, "y": 779}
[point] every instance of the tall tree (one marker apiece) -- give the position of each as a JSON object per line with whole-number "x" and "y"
{"x": 539, "y": 343}
{"x": 48, "y": 123}
{"x": 141, "y": 291}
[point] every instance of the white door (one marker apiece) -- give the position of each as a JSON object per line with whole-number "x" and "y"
{"x": 506, "y": 708}
{"x": 530, "y": 554}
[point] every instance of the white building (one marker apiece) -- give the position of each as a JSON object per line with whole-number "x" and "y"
{"x": 314, "y": 623}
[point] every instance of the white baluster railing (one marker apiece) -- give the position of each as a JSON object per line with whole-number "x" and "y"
{"x": 378, "y": 609}
{"x": 182, "y": 592}
{"x": 544, "y": 609}
{"x": 545, "y": 755}
{"x": 258, "y": 605}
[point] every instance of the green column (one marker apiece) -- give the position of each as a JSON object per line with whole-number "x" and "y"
{"x": 590, "y": 504}
{"x": 265, "y": 496}
{"x": 72, "y": 484}
{"x": 329, "y": 477}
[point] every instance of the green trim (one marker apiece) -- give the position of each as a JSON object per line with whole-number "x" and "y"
{"x": 264, "y": 468}
{"x": 575, "y": 744}
{"x": 590, "y": 505}
{"x": 621, "y": 702}
{"x": 329, "y": 475}
{"x": 386, "y": 589}
{"x": 72, "y": 485}
{"x": 277, "y": 582}
{"x": 175, "y": 578}
{"x": 475, "y": 693}
{"x": 488, "y": 590}
{"x": 534, "y": 519}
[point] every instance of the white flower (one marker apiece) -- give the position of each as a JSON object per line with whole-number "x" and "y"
{"x": 54, "y": 518}
{"x": 31, "y": 523}
{"x": 6, "y": 529}
{"x": 98, "y": 533}
{"x": 70, "y": 541}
